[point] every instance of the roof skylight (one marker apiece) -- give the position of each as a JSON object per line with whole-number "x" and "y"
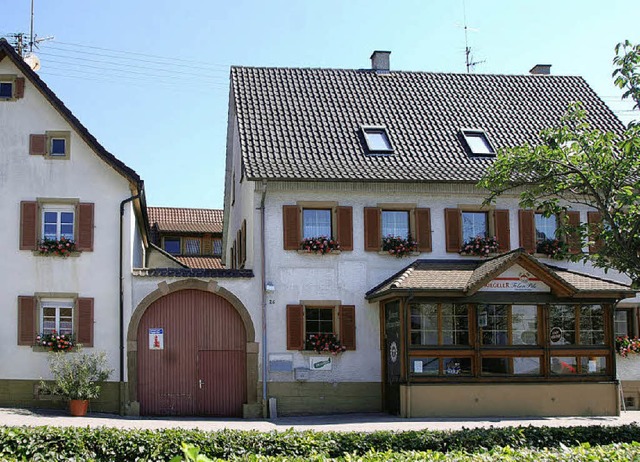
{"x": 377, "y": 140}
{"x": 478, "y": 143}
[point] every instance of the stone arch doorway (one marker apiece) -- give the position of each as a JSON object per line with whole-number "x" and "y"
{"x": 205, "y": 361}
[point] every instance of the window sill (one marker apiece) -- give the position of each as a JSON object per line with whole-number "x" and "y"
{"x": 309, "y": 252}
{"x": 385, "y": 252}
{"x": 75, "y": 253}
{"x": 323, "y": 353}
{"x": 491, "y": 255}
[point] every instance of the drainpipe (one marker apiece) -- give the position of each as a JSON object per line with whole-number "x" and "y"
{"x": 121, "y": 292}
{"x": 264, "y": 301}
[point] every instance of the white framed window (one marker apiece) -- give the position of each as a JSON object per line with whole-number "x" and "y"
{"x": 474, "y": 224}
{"x": 58, "y": 147}
{"x": 545, "y": 227}
{"x": 58, "y": 144}
{"x": 316, "y": 223}
{"x": 478, "y": 142}
{"x": 377, "y": 140}
{"x": 58, "y": 221}
{"x": 56, "y": 315}
{"x": 6, "y": 89}
{"x": 395, "y": 223}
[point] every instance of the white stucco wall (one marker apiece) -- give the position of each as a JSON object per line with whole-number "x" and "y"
{"x": 92, "y": 274}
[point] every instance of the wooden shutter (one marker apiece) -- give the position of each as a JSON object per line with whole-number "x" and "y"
{"x": 27, "y": 320}
{"x": 502, "y": 227}
{"x": 372, "y": 231}
{"x": 594, "y": 219}
{"x": 423, "y": 229}
{"x": 28, "y": 225}
{"x": 344, "y": 226}
{"x": 19, "y": 92}
{"x": 84, "y": 240}
{"x": 526, "y": 223}
{"x": 243, "y": 243}
{"x": 37, "y": 145}
{"x": 233, "y": 256}
{"x": 84, "y": 331}
{"x": 573, "y": 239}
{"x": 453, "y": 229}
{"x": 348, "y": 326}
{"x": 295, "y": 327}
{"x": 291, "y": 227}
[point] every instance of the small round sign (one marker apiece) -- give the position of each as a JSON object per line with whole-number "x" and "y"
{"x": 555, "y": 335}
{"x": 393, "y": 352}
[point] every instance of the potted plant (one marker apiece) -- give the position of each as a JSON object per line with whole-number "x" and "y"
{"x": 77, "y": 377}
{"x": 54, "y": 341}
{"x": 399, "y": 246}
{"x": 480, "y": 246}
{"x": 553, "y": 248}
{"x": 324, "y": 343}
{"x": 321, "y": 245}
{"x": 62, "y": 247}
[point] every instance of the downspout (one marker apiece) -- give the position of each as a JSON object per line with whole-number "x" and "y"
{"x": 121, "y": 292}
{"x": 264, "y": 301}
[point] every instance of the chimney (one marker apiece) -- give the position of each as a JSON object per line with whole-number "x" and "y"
{"x": 541, "y": 69}
{"x": 380, "y": 61}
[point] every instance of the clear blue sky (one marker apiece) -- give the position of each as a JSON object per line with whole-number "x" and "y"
{"x": 163, "y": 111}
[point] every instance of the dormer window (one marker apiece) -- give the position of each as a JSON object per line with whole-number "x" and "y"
{"x": 478, "y": 143}
{"x": 377, "y": 140}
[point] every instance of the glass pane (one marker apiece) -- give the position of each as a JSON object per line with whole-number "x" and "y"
{"x": 172, "y": 246}
{"x": 562, "y": 325}
{"x": 66, "y": 217}
{"x": 50, "y": 231}
{"x": 545, "y": 227}
{"x": 425, "y": 366}
{"x": 478, "y": 143}
{"x": 395, "y": 223}
{"x": 591, "y": 325}
{"x": 474, "y": 224}
{"x": 496, "y": 366}
{"x": 593, "y": 364}
{"x": 217, "y": 247}
{"x": 58, "y": 147}
{"x": 492, "y": 320}
{"x": 377, "y": 140}
{"x": 6, "y": 90}
{"x": 51, "y": 217}
{"x": 424, "y": 324}
{"x": 564, "y": 365}
{"x": 48, "y": 319}
{"x": 455, "y": 324}
{"x": 524, "y": 324}
{"x": 316, "y": 223}
{"x": 456, "y": 366}
{"x": 318, "y": 321}
{"x": 621, "y": 323}
{"x": 526, "y": 366}
{"x": 66, "y": 231}
{"x": 192, "y": 246}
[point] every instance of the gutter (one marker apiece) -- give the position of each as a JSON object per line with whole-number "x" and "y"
{"x": 264, "y": 300}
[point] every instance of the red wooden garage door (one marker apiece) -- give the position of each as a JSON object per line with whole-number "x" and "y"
{"x": 201, "y": 368}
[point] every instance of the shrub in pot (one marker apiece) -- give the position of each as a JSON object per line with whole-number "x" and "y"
{"x": 77, "y": 377}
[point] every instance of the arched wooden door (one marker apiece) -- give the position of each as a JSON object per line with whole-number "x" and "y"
{"x": 197, "y": 365}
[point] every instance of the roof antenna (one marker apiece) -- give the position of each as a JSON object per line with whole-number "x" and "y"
{"x": 26, "y": 50}
{"x": 470, "y": 63}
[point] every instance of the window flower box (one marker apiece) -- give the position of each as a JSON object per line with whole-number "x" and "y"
{"x": 480, "y": 246}
{"x": 57, "y": 247}
{"x": 553, "y": 248}
{"x": 399, "y": 246}
{"x": 320, "y": 245}
{"x": 626, "y": 345}
{"x": 55, "y": 342}
{"x": 324, "y": 343}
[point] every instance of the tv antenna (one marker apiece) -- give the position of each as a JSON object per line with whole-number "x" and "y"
{"x": 25, "y": 49}
{"x": 469, "y": 60}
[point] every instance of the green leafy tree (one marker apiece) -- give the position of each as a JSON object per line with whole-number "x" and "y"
{"x": 578, "y": 164}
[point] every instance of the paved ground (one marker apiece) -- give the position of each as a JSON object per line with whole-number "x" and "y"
{"x": 347, "y": 422}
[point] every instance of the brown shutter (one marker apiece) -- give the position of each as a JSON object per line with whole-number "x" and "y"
{"x": 453, "y": 231}
{"x": 37, "y": 145}
{"x": 19, "y": 93}
{"x": 502, "y": 227}
{"x": 28, "y": 225}
{"x": 295, "y": 327}
{"x": 348, "y": 326}
{"x": 594, "y": 219}
{"x": 291, "y": 227}
{"x": 233, "y": 256}
{"x": 573, "y": 239}
{"x": 526, "y": 223}
{"x": 423, "y": 229}
{"x": 243, "y": 244}
{"x": 372, "y": 231}
{"x": 207, "y": 245}
{"x": 344, "y": 226}
{"x": 84, "y": 240}
{"x": 84, "y": 332}
{"x": 26, "y": 320}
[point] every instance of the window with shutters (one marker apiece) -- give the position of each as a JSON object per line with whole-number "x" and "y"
{"x": 56, "y": 316}
{"x": 58, "y": 145}
{"x": 48, "y": 221}
{"x": 310, "y": 219}
{"x": 312, "y": 319}
{"x": 539, "y": 233}
{"x": 11, "y": 87}
{"x": 316, "y": 223}
{"x": 406, "y": 222}
{"x": 395, "y": 223}
{"x": 472, "y": 224}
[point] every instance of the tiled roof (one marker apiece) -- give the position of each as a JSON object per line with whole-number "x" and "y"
{"x": 194, "y": 272}
{"x": 304, "y": 124}
{"x": 201, "y": 262}
{"x": 185, "y": 220}
{"x": 463, "y": 276}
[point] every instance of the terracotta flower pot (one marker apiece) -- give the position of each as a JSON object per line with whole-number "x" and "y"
{"x": 78, "y": 407}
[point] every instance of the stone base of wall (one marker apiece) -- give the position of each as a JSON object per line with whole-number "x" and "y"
{"x": 305, "y": 398}
{"x": 509, "y": 400}
{"x": 631, "y": 394}
{"x": 24, "y": 394}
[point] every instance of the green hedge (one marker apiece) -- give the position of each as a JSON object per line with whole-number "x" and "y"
{"x": 109, "y": 444}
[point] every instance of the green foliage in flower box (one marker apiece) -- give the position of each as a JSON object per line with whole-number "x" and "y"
{"x": 60, "y": 248}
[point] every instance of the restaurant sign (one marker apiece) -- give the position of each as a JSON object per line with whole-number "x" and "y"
{"x": 516, "y": 279}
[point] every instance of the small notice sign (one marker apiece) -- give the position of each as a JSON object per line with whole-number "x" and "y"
{"x": 156, "y": 339}
{"x": 320, "y": 363}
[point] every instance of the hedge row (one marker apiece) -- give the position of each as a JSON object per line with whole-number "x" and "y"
{"x": 110, "y": 444}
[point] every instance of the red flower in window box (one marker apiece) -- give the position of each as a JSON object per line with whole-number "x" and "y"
{"x": 324, "y": 343}
{"x": 55, "y": 341}
{"x": 321, "y": 245}
{"x": 553, "y": 248}
{"x": 399, "y": 246}
{"x": 626, "y": 345}
{"x": 62, "y": 247}
{"x": 480, "y": 246}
